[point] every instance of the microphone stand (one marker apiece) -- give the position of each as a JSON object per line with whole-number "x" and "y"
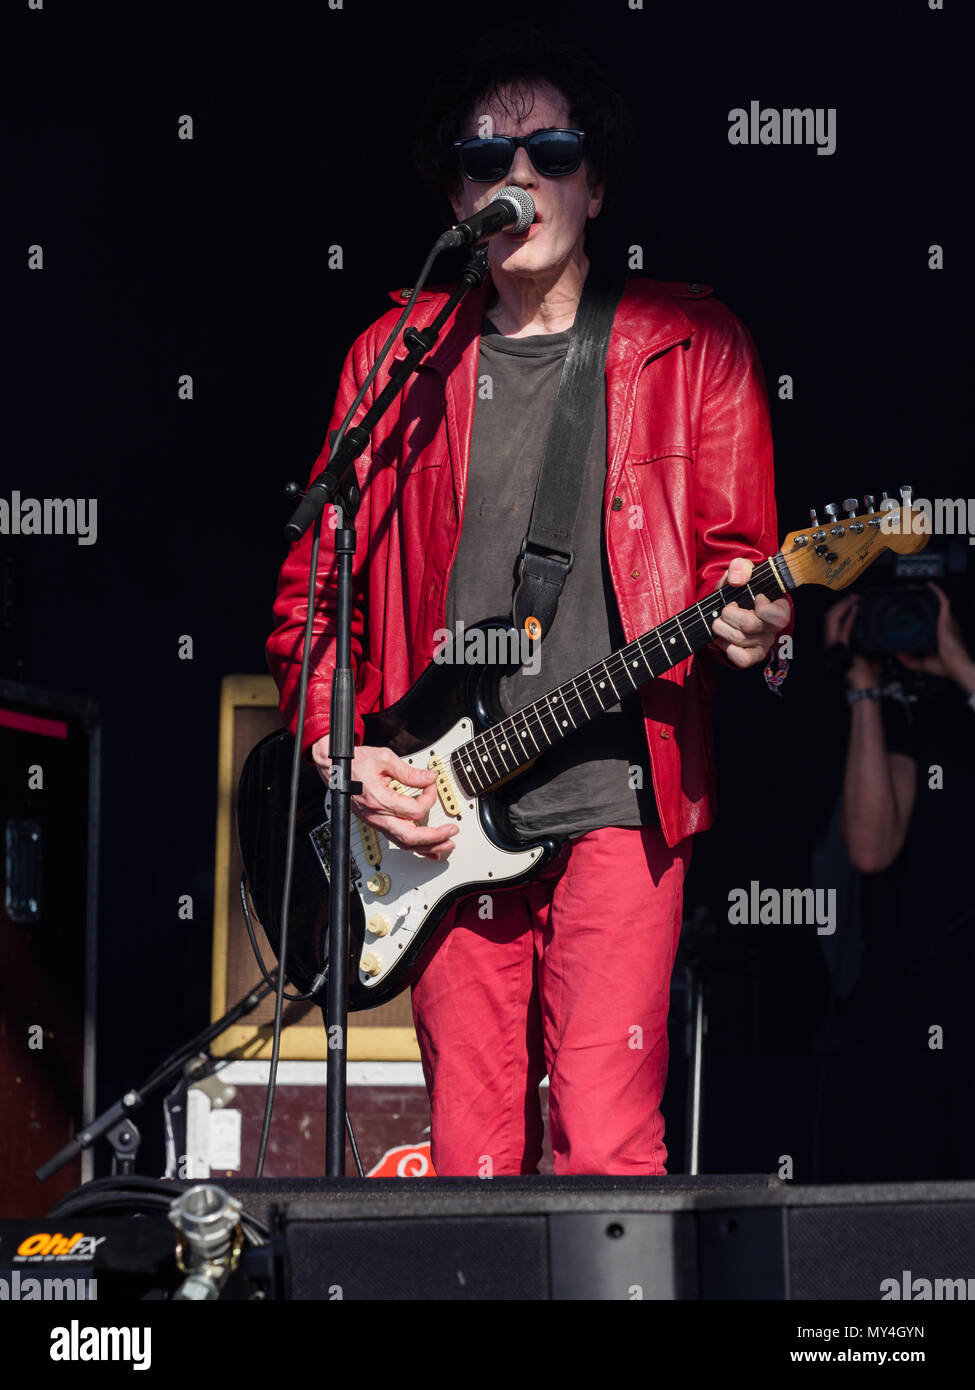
{"x": 116, "y": 1122}
{"x": 328, "y": 486}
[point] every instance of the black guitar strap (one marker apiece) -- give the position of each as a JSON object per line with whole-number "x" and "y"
{"x": 546, "y": 555}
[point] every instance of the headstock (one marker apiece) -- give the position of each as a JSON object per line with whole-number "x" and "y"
{"x": 837, "y": 550}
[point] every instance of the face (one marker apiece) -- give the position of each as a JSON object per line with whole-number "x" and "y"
{"x": 563, "y": 205}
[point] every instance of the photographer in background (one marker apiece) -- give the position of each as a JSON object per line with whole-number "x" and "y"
{"x": 880, "y": 783}
{"x": 899, "y": 1032}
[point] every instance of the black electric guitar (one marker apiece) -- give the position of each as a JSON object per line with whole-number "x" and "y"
{"x": 451, "y": 720}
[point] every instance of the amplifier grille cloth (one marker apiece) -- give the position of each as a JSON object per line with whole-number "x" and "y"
{"x": 251, "y": 724}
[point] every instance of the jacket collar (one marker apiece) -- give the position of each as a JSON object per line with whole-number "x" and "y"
{"x": 648, "y": 320}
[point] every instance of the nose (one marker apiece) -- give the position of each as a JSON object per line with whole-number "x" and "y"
{"x": 522, "y": 172}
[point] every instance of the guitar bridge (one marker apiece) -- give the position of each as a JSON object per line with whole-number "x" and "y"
{"x": 321, "y": 840}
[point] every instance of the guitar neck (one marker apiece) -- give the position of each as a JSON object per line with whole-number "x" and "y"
{"x": 510, "y": 745}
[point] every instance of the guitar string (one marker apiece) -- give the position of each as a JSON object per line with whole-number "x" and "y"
{"x": 575, "y": 699}
{"x": 482, "y": 748}
{"x": 615, "y": 664}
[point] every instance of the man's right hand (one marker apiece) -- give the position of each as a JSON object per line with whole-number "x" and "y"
{"x": 401, "y": 817}
{"x": 951, "y": 659}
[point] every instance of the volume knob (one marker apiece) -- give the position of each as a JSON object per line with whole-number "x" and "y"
{"x": 371, "y": 964}
{"x": 378, "y": 924}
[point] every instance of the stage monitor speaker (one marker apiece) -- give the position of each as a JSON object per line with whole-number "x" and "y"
{"x": 721, "y": 1238}
{"x": 249, "y": 711}
{"x": 49, "y": 817}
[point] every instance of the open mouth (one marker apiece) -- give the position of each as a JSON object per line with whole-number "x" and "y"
{"x": 523, "y": 236}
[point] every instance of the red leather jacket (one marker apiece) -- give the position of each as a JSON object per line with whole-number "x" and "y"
{"x": 688, "y": 441}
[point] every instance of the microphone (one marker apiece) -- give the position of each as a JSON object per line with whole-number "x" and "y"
{"x": 509, "y": 205}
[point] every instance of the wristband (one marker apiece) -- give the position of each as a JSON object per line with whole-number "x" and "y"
{"x": 893, "y": 690}
{"x": 872, "y": 692}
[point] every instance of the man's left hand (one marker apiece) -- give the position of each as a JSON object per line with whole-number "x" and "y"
{"x": 745, "y": 635}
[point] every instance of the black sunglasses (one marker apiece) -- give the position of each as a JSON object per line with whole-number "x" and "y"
{"x": 553, "y": 153}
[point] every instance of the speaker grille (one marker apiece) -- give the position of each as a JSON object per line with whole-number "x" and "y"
{"x": 847, "y": 1252}
{"x": 450, "y": 1259}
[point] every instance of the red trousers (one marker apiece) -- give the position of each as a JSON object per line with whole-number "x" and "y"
{"x": 569, "y": 976}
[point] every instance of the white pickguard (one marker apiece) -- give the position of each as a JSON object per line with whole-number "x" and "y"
{"x": 417, "y": 885}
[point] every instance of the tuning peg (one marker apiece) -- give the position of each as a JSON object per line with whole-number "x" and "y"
{"x": 832, "y": 512}
{"x": 813, "y": 517}
{"x": 887, "y": 504}
{"x": 870, "y": 502}
{"x": 906, "y": 493}
{"x": 850, "y": 507}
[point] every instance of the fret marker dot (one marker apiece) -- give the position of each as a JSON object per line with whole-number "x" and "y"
{"x": 503, "y": 747}
{"x": 714, "y": 612}
{"x": 565, "y": 723}
{"x": 673, "y": 640}
{"x": 602, "y": 684}
{"x": 483, "y": 757}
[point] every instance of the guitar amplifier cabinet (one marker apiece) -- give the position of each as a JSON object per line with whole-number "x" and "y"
{"x": 49, "y": 819}
{"x": 249, "y": 711}
{"x": 213, "y": 1121}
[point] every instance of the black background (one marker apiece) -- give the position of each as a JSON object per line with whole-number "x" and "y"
{"x": 164, "y": 256}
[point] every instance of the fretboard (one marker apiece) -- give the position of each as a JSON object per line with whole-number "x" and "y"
{"x": 510, "y": 745}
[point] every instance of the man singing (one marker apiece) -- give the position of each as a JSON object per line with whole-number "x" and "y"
{"x": 569, "y": 975}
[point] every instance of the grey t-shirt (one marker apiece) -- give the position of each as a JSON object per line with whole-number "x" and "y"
{"x": 600, "y": 775}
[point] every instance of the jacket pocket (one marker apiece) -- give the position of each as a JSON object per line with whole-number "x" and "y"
{"x": 679, "y": 453}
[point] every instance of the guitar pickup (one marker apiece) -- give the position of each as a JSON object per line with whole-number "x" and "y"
{"x": 370, "y": 843}
{"x": 445, "y": 787}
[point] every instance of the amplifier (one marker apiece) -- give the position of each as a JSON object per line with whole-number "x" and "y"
{"x": 49, "y": 816}
{"x": 248, "y": 711}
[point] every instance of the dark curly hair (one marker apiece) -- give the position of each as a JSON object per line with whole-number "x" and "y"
{"x": 519, "y": 56}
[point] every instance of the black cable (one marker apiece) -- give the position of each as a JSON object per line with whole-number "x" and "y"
{"x": 270, "y": 980}
{"x": 300, "y": 718}
{"x": 140, "y": 1196}
{"x": 133, "y": 1183}
{"x": 355, "y": 1147}
{"x": 385, "y": 350}
{"x": 289, "y": 853}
